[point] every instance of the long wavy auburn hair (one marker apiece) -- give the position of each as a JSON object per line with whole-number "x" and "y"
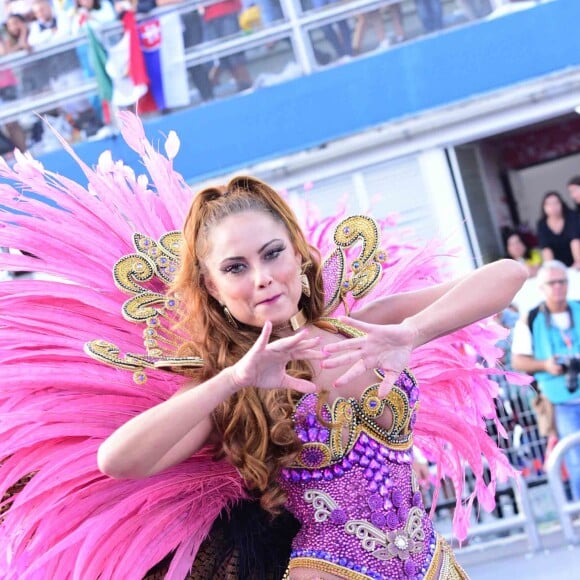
{"x": 255, "y": 425}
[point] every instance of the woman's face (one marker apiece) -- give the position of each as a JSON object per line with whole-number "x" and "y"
{"x": 552, "y": 206}
{"x": 515, "y": 247}
{"x": 14, "y": 25}
{"x": 253, "y": 269}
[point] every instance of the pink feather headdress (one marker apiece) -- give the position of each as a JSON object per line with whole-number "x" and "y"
{"x": 57, "y": 404}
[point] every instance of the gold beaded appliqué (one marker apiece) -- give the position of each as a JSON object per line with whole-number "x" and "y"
{"x": 365, "y": 270}
{"x": 145, "y": 274}
{"x": 352, "y": 415}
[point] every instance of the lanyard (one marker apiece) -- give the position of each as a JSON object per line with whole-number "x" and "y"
{"x": 567, "y": 335}
{"x": 567, "y": 338}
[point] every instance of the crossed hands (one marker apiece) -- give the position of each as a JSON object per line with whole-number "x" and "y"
{"x": 386, "y": 347}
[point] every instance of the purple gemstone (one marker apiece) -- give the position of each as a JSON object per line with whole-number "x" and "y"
{"x": 302, "y": 435}
{"x": 364, "y": 461}
{"x": 373, "y": 486}
{"x": 322, "y": 435}
{"x": 373, "y": 444}
{"x": 374, "y": 464}
{"x": 346, "y": 464}
{"x": 295, "y": 476}
{"x": 385, "y": 470}
{"x": 305, "y": 475}
{"x": 410, "y": 567}
{"x": 338, "y": 517}
{"x": 359, "y": 448}
{"x": 392, "y": 520}
{"x": 310, "y": 420}
{"x": 375, "y": 501}
{"x": 378, "y": 477}
{"x": 387, "y": 505}
{"x": 397, "y": 498}
{"x": 313, "y": 434}
{"x": 354, "y": 457}
{"x": 384, "y": 490}
{"x": 317, "y": 475}
{"x": 328, "y": 474}
{"x": 369, "y": 453}
{"x": 346, "y": 230}
{"x": 338, "y": 470}
{"x": 364, "y": 438}
{"x": 417, "y": 499}
{"x": 378, "y": 519}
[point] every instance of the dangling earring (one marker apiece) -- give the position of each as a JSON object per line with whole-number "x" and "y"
{"x": 305, "y": 283}
{"x": 228, "y": 316}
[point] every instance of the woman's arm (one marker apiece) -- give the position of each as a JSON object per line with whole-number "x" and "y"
{"x": 478, "y": 295}
{"x": 395, "y": 308}
{"x": 175, "y": 429}
{"x": 399, "y": 307}
{"x": 167, "y": 433}
{"x": 482, "y": 293}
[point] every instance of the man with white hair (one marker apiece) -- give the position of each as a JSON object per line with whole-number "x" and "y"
{"x": 546, "y": 344}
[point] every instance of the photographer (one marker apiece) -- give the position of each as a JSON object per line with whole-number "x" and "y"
{"x": 546, "y": 344}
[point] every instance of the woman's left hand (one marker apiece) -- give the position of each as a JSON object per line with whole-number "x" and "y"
{"x": 386, "y": 347}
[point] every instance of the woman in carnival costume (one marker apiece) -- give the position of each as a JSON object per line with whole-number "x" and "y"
{"x": 282, "y": 406}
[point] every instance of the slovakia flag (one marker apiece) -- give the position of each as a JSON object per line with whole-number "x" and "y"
{"x": 162, "y": 45}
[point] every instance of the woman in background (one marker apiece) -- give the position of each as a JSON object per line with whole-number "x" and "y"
{"x": 517, "y": 248}
{"x": 559, "y": 231}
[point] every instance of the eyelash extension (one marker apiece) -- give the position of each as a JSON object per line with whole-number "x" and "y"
{"x": 230, "y": 269}
{"x": 278, "y": 250}
{"x": 269, "y": 256}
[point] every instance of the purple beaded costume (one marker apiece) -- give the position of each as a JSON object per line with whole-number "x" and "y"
{"x": 355, "y": 493}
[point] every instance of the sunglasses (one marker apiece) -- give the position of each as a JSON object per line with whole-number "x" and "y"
{"x": 561, "y": 282}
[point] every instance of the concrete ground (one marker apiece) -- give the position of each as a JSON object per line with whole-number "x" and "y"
{"x": 511, "y": 559}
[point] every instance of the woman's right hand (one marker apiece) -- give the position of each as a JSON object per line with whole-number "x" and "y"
{"x": 264, "y": 365}
{"x": 552, "y": 367}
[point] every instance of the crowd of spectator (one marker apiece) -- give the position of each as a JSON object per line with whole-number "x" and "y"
{"x": 30, "y": 26}
{"x": 545, "y": 336}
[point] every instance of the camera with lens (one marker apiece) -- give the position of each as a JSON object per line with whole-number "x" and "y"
{"x": 571, "y": 367}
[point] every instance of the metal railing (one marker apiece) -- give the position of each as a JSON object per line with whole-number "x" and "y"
{"x": 523, "y": 519}
{"x": 566, "y": 509}
{"x": 301, "y": 26}
{"x": 515, "y": 512}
